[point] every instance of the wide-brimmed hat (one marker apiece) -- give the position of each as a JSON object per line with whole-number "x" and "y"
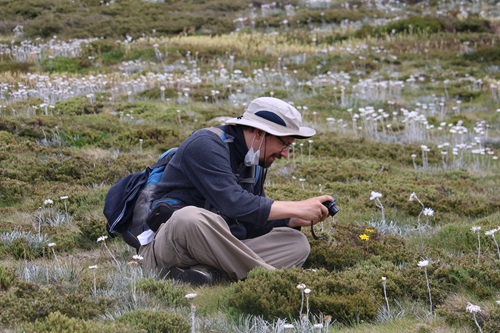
{"x": 273, "y": 116}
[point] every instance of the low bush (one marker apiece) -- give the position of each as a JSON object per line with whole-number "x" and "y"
{"x": 489, "y": 55}
{"x": 156, "y": 321}
{"x": 274, "y": 294}
{"x": 27, "y": 302}
{"x": 57, "y": 322}
{"x": 416, "y": 24}
{"x": 164, "y": 290}
{"x": 7, "y": 277}
{"x": 78, "y": 106}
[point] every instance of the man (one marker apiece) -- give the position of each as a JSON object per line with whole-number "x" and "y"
{"x": 226, "y": 222}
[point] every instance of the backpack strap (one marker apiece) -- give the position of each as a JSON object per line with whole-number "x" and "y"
{"x": 227, "y": 140}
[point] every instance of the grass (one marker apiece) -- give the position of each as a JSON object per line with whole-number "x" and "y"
{"x": 83, "y": 113}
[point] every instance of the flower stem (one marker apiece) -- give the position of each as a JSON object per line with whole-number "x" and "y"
{"x": 498, "y": 248}
{"x": 477, "y": 324}
{"x": 428, "y": 288}
{"x": 478, "y": 247}
{"x": 112, "y": 256}
{"x": 386, "y": 299}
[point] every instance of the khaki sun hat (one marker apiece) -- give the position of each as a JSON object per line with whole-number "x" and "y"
{"x": 273, "y": 116}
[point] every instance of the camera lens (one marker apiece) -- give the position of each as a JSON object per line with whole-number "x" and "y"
{"x": 332, "y": 207}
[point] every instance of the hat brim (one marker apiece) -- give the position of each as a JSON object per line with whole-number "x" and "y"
{"x": 272, "y": 128}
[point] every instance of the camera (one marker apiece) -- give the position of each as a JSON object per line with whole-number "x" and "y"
{"x": 332, "y": 207}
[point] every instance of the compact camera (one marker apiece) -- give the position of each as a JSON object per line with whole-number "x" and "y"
{"x": 332, "y": 207}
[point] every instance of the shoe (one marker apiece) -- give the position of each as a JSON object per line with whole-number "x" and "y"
{"x": 195, "y": 276}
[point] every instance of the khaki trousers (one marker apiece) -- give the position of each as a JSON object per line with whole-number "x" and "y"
{"x": 194, "y": 236}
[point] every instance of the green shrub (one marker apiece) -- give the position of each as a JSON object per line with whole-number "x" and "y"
{"x": 92, "y": 227}
{"x": 274, "y": 294}
{"x": 164, "y": 290}
{"x": 22, "y": 248}
{"x": 57, "y": 322}
{"x": 472, "y": 24}
{"x": 65, "y": 65}
{"x": 15, "y": 67}
{"x": 413, "y": 24}
{"x": 484, "y": 55}
{"x": 26, "y": 302}
{"x": 7, "y": 277}
{"x": 78, "y": 106}
{"x": 345, "y": 248}
{"x": 156, "y": 321}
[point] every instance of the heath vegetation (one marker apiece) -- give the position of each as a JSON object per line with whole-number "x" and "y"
{"x": 404, "y": 95}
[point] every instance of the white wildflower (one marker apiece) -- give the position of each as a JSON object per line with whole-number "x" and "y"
{"x": 473, "y": 308}
{"x": 428, "y": 212}
{"x": 491, "y": 232}
{"x": 475, "y": 229}
{"x": 93, "y": 267}
{"x": 412, "y": 196}
{"x": 48, "y": 202}
{"x": 423, "y": 263}
{"x": 191, "y": 295}
{"x": 307, "y": 290}
{"x": 375, "y": 195}
{"x": 102, "y": 239}
{"x": 301, "y": 286}
{"x": 52, "y": 244}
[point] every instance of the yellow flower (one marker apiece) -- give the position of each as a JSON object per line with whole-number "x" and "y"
{"x": 364, "y": 237}
{"x": 369, "y": 231}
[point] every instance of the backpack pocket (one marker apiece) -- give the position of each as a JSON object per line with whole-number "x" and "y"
{"x": 161, "y": 211}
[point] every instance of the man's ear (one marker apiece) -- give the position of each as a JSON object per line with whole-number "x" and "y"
{"x": 259, "y": 133}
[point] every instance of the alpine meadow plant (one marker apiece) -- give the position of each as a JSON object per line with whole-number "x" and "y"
{"x": 102, "y": 240}
{"x": 477, "y": 230}
{"x": 384, "y": 285}
{"x": 424, "y": 264}
{"x": 492, "y": 234}
{"x": 474, "y": 309}
{"x": 94, "y": 269}
{"x": 427, "y": 212}
{"x": 375, "y": 197}
{"x": 51, "y": 246}
{"x": 190, "y": 297}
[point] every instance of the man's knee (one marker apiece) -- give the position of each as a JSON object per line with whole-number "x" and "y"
{"x": 193, "y": 219}
{"x": 302, "y": 243}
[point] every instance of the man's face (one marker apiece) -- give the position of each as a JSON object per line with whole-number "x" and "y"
{"x": 275, "y": 148}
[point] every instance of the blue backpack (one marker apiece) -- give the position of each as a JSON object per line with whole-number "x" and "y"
{"x": 128, "y": 202}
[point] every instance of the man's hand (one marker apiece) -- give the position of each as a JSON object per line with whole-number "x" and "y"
{"x": 301, "y": 213}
